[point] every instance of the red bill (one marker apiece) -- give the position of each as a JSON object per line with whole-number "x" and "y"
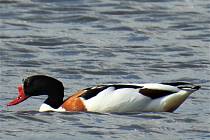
{"x": 21, "y": 97}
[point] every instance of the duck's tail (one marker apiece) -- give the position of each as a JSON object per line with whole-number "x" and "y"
{"x": 184, "y": 86}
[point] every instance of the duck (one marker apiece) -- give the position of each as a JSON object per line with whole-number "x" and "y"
{"x": 106, "y": 98}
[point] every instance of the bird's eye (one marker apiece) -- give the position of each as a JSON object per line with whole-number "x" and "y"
{"x": 23, "y": 80}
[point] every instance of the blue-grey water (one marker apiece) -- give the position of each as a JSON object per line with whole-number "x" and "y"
{"x": 90, "y": 42}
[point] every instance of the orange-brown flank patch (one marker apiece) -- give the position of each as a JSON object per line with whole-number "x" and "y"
{"x": 74, "y": 103}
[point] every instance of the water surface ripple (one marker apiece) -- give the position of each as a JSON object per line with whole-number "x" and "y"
{"x": 89, "y": 42}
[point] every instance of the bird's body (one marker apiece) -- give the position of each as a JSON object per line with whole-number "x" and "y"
{"x": 153, "y": 97}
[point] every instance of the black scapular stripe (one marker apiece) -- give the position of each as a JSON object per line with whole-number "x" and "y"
{"x": 154, "y": 93}
{"x": 91, "y": 92}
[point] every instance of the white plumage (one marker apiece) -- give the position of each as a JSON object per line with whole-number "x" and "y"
{"x": 132, "y": 100}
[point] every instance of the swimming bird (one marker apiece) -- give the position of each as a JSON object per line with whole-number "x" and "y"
{"x": 118, "y": 98}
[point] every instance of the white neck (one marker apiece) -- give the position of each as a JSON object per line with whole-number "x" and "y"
{"x": 46, "y": 108}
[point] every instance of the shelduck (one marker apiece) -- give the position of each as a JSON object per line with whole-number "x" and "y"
{"x": 150, "y": 97}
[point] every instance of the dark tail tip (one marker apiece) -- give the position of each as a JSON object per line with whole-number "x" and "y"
{"x": 196, "y": 87}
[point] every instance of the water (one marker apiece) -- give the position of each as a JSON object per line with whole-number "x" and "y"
{"x": 89, "y": 42}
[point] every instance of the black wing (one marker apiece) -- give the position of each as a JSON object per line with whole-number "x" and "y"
{"x": 155, "y": 93}
{"x": 93, "y": 91}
